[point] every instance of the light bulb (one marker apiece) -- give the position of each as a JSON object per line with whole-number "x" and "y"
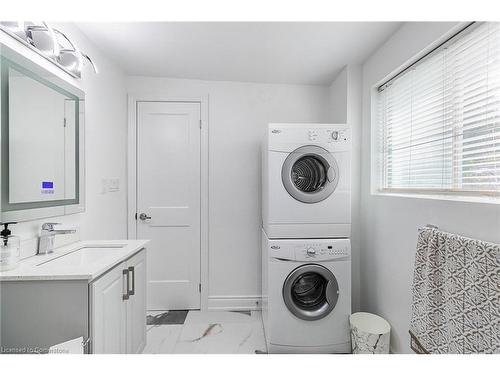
{"x": 79, "y": 56}
{"x": 20, "y": 26}
{"x": 56, "y": 50}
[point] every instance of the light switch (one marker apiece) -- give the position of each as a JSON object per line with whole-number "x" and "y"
{"x": 114, "y": 185}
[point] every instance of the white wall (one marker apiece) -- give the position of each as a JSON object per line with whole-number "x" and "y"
{"x": 238, "y": 116}
{"x": 345, "y": 107}
{"x": 389, "y": 224}
{"x": 337, "y": 93}
{"x": 105, "y": 138}
{"x": 353, "y": 113}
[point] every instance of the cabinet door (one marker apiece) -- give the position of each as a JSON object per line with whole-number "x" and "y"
{"x": 136, "y": 305}
{"x": 108, "y": 319}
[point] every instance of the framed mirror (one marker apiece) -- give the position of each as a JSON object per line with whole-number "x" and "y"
{"x": 42, "y": 120}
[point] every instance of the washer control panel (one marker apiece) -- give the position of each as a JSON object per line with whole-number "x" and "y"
{"x": 313, "y": 250}
{"x": 312, "y": 135}
{"x": 321, "y": 251}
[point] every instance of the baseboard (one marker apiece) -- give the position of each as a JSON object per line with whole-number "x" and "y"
{"x": 234, "y": 303}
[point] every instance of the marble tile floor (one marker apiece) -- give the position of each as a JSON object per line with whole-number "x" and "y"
{"x": 212, "y": 332}
{"x": 166, "y": 317}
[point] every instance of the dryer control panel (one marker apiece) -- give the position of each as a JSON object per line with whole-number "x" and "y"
{"x": 287, "y": 137}
{"x": 328, "y": 135}
{"x": 314, "y": 250}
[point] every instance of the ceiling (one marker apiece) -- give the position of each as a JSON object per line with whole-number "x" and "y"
{"x": 272, "y": 52}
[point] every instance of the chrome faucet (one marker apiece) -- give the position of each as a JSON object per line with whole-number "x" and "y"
{"x": 47, "y": 237}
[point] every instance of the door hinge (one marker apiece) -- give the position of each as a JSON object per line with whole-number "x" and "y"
{"x": 64, "y": 125}
{"x": 200, "y": 124}
{"x": 199, "y": 288}
{"x": 136, "y": 216}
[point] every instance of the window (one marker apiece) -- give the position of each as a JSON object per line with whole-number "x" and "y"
{"x": 439, "y": 119}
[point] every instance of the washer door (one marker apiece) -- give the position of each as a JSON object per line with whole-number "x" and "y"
{"x": 310, "y": 174}
{"x": 311, "y": 292}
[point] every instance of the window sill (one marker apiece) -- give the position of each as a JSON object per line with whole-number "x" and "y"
{"x": 488, "y": 199}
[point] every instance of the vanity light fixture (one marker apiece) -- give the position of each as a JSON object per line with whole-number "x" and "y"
{"x": 70, "y": 56}
{"x": 50, "y": 43}
{"x": 41, "y": 36}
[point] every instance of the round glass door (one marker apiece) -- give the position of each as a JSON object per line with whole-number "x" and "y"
{"x": 310, "y": 292}
{"x": 310, "y": 174}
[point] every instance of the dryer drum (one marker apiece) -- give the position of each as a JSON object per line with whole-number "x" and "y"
{"x": 309, "y": 174}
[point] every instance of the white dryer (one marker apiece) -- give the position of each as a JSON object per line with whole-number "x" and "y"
{"x": 306, "y": 295}
{"x": 306, "y": 181}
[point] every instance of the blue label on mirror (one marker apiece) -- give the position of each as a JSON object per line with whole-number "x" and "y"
{"x": 47, "y": 185}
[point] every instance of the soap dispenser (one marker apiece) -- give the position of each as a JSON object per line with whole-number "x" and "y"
{"x": 9, "y": 248}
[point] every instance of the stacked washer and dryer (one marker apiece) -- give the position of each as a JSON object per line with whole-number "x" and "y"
{"x": 306, "y": 252}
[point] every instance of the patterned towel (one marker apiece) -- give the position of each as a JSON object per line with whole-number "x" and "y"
{"x": 456, "y": 295}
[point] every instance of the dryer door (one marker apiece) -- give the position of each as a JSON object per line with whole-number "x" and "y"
{"x": 310, "y": 292}
{"x": 310, "y": 174}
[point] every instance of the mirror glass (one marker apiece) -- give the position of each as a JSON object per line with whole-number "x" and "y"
{"x": 42, "y": 141}
{"x": 40, "y": 128}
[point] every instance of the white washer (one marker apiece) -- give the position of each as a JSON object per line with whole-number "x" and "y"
{"x": 306, "y": 181}
{"x": 306, "y": 295}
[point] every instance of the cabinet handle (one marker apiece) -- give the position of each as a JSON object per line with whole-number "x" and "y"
{"x": 131, "y": 269}
{"x": 86, "y": 345}
{"x": 127, "y": 279}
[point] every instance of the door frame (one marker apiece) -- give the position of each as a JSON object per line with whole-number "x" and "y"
{"x": 133, "y": 99}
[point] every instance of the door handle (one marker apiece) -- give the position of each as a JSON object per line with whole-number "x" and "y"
{"x": 131, "y": 270}
{"x": 330, "y": 174}
{"x": 143, "y": 217}
{"x": 126, "y": 277}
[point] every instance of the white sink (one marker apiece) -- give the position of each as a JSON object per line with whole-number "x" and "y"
{"x": 83, "y": 256}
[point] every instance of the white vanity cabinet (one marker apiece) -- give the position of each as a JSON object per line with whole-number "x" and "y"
{"x": 136, "y": 304}
{"x": 108, "y": 313}
{"x": 118, "y": 308}
{"x": 88, "y": 290}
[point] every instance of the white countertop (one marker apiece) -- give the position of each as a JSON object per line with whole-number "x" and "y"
{"x": 39, "y": 267}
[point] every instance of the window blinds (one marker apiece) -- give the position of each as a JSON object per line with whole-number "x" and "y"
{"x": 439, "y": 120}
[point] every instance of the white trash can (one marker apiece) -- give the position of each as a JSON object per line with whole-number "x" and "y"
{"x": 370, "y": 334}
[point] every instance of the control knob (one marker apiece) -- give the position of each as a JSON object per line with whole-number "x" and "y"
{"x": 310, "y": 251}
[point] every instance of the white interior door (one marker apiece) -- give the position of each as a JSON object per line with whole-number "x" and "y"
{"x": 168, "y": 201}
